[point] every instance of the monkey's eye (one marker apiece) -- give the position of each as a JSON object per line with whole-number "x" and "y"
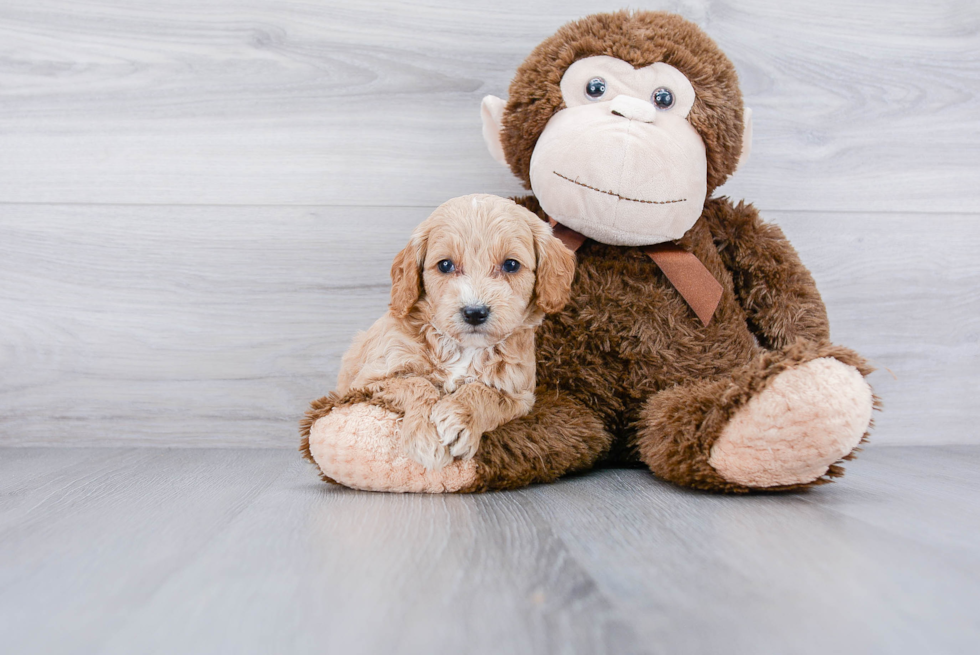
{"x": 510, "y": 266}
{"x": 446, "y": 266}
{"x": 596, "y": 88}
{"x": 663, "y": 98}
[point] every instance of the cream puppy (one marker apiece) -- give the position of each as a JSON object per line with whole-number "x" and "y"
{"x": 455, "y": 351}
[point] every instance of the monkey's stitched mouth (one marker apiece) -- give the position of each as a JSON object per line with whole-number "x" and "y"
{"x": 612, "y": 193}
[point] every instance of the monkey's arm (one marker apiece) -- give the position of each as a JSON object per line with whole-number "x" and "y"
{"x": 773, "y": 286}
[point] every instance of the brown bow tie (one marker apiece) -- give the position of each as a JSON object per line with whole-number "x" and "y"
{"x": 685, "y": 271}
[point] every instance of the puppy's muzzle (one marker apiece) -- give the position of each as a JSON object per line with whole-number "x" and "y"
{"x": 476, "y": 315}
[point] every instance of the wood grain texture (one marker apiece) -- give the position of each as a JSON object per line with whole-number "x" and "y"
{"x": 183, "y": 325}
{"x": 859, "y": 106}
{"x": 205, "y": 551}
{"x": 245, "y": 551}
{"x": 217, "y": 326}
{"x": 790, "y": 573}
{"x": 236, "y": 176}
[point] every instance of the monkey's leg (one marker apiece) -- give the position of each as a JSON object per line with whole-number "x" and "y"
{"x": 783, "y": 421}
{"x": 356, "y": 443}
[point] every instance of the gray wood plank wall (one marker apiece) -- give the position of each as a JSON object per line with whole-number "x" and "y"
{"x": 199, "y": 202}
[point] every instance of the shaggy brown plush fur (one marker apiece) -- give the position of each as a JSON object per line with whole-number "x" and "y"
{"x": 558, "y": 437}
{"x": 627, "y": 371}
{"x": 627, "y": 348}
{"x": 641, "y": 38}
{"x": 631, "y": 354}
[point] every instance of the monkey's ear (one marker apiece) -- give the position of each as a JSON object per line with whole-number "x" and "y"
{"x": 406, "y": 277}
{"x": 492, "y": 112}
{"x": 746, "y": 138}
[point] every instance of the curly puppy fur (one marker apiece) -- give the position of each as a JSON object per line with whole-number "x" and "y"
{"x": 628, "y": 355}
{"x": 451, "y": 379}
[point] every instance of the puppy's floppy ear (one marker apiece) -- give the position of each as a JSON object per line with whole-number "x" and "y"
{"x": 406, "y": 276}
{"x": 555, "y": 269}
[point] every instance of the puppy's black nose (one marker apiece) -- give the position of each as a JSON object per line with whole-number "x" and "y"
{"x": 475, "y": 315}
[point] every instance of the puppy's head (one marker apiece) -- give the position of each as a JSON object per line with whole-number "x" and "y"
{"x": 479, "y": 267}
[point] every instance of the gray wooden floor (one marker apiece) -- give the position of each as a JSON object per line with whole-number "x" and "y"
{"x": 139, "y": 550}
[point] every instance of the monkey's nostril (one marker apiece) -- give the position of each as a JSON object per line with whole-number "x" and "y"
{"x": 475, "y": 315}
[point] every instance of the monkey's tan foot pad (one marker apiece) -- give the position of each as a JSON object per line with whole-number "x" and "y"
{"x": 806, "y": 419}
{"x": 358, "y": 446}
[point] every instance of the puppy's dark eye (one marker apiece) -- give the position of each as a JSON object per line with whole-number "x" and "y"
{"x": 663, "y": 98}
{"x": 511, "y": 266}
{"x": 446, "y": 266}
{"x": 595, "y": 88}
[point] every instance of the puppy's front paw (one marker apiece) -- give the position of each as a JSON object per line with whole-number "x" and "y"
{"x": 422, "y": 443}
{"x": 452, "y": 424}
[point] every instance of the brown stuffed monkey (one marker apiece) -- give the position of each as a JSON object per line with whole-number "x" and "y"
{"x": 695, "y": 340}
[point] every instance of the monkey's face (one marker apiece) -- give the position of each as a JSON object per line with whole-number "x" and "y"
{"x": 621, "y": 164}
{"x": 624, "y": 151}
{"x": 619, "y": 161}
